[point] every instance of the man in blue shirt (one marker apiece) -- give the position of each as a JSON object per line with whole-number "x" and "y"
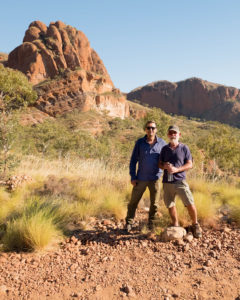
{"x": 146, "y": 153}
{"x": 175, "y": 160}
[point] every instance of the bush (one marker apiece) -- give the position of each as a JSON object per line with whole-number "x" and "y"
{"x": 16, "y": 89}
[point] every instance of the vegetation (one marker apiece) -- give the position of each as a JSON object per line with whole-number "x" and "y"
{"x": 15, "y": 92}
{"x": 16, "y": 89}
{"x": 39, "y": 213}
{"x": 79, "y": 166}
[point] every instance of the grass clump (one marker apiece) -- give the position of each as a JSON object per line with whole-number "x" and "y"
{"x": 35, "y": 225}
{"x": 30, "y": 232}
{"x": 235, "y": 210}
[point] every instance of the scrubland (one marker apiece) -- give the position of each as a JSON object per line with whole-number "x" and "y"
{"x": 78, "y": 166}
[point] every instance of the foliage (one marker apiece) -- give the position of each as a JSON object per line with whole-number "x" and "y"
{"x": 222, "y": 144}
{"x": 8, "y": 136}
{"x": 162, "y": 121}
{"x": 16, "y": 89}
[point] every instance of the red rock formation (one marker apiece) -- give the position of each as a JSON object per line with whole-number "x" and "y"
{"x": 47, "y": 51}
{"x": 81, "y": 90}
{"x": 192, "y": 98}
{"x": 80, "y": 79}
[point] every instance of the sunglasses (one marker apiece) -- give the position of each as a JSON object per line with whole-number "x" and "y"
{"x": 149, "y": 128}
{"x": 172, "y": 132}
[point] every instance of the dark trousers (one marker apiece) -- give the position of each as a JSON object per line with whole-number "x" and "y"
{"x": 137, "y": 192}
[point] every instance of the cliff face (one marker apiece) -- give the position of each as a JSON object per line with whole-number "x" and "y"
{"x": 74, "y": 76}
{"x": 193, "y": 98}
{"x": 83, "y": 91}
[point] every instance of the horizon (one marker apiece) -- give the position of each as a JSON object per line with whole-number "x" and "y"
{"x": 140, "y": 42}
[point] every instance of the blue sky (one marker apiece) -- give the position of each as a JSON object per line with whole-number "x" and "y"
{"x": 141, "y": 41}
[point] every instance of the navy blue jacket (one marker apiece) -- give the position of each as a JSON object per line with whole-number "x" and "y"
{"x": 147, "y": 157}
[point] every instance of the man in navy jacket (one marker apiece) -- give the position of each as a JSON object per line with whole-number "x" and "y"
{"x": 146, "y": 154}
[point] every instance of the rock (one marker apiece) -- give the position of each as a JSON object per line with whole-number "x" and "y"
{"x": 127, "y": 289}
{"x": 75, "y": 295}
{"x": 188, "y": 237}
{"x": 63, "y": 53}
{"x": 152, "y": 236}
{"x": 192, "y": 97}
{"x": 179, "y": 242}
{"x": 208, "y": 263}
{"x": 3, "y": 289}
{"x": 173, "y": 233}
{"x": 212, "y": 253}
{"x": 107, "y": 222}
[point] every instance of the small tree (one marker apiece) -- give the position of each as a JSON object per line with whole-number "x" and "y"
{"x": 6, "y": 137}
{"x": 15, "y": 92}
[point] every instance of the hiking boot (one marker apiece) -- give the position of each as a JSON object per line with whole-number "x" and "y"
{"x": 197, "y": 231}
{"x": 150, "y": 226}
{"x": 128, "y": 228}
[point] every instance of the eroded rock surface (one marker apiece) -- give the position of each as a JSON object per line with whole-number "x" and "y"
{"x": 193, "y": 97}
{"x": 67, "y": 72}
{"x": 47, "y": 51}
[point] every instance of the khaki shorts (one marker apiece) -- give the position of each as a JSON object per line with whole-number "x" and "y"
{"x": 171, "y": 190}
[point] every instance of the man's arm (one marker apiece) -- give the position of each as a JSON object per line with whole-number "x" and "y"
{"x": 161, "y": 165}
{"x": 133, "y": 163}
{"x": 171, "y": 169}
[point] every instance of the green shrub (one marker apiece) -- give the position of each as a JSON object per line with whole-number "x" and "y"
{"x": 16, "y": 89}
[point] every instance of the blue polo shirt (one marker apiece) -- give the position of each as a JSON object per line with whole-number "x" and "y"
{"x": 147, "y": 157}
{"x": 177, "y": 157}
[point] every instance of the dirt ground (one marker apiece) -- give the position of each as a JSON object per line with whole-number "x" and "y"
{"x": 105, "y": 263}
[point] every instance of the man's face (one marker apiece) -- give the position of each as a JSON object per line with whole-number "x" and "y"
{"x": 151, "y": 129}
{"x": 173, "y": 136}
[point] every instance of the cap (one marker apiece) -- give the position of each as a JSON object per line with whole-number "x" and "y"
{"x": 174, "y": 128}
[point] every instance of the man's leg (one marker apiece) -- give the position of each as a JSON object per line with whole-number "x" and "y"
{"x": 183, "y": 190}
{"x": 137, "y": 193}
{"x": 173, "y": 214}
{"x": 192, "y": 213}
{"x": 186, "y": 196}
{"x": 154, "y": 189}
{"x": 169, "y": 200}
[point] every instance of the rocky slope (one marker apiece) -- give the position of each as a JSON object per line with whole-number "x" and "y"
{"x": 193, "y": 97}
{"x": 104, "y": 263}
{"x": 73, "y": 74}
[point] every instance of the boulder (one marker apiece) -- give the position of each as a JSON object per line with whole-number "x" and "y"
{"x": 173, "y": 233}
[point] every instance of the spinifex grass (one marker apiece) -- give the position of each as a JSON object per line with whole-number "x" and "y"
{"x": 37, "y": 224}
{"x": 63, "y": 191}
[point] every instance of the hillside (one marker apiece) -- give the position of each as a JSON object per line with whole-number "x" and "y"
{"x": 74, "y": 206}
{"x": 3, "y": 58}
{"x": 192, "y": 97}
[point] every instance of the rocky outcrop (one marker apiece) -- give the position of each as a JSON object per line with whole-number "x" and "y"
{"x": 67, "y": 73}
{"x": 193, "y": 97}
{"x": 47, "y": 51}
{"x": 81, "y": 90}
{"x": 137, "y": 111}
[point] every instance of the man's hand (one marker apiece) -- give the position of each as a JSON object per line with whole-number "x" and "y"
{"x": 171, "y": 169}
{"x": 134, "y": 182}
